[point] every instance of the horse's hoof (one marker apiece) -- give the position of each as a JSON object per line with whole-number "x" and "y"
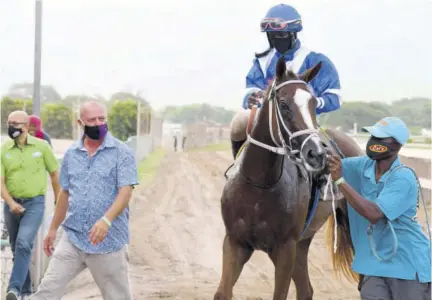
{"x": 219, "y": 296}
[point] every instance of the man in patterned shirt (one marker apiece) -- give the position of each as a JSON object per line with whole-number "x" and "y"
{"x": 97, "y": 176}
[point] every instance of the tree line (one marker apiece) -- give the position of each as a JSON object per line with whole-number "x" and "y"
{"x": 58, "y": 118}
{"x": 416, "y": 112}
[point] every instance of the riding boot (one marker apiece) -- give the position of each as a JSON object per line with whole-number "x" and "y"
{"x": 235, "y": 147}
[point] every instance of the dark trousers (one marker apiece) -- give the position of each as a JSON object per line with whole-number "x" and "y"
{"x": 381, "y": 288}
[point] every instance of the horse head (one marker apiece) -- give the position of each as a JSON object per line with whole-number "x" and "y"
{"x": 295, "y": 114}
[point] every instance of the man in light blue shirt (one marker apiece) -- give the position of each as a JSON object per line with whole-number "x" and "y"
{"x": 97, "y": 176}
{"x": 391, "y": 251}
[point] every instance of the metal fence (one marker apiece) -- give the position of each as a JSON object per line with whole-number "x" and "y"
{"x": 149, "y": 134}
{"x": 205, "y": 133}
{"x": 415, "y": 139}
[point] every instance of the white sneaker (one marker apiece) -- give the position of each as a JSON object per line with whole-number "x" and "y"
{"x": 12, "y": 295}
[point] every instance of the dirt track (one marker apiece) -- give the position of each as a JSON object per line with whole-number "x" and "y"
{"x": 177, "y": 231}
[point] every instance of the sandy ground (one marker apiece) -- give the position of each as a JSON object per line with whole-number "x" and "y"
{"x": 177, "y": 234}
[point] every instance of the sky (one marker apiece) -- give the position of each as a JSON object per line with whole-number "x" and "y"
{"x": 191, "y": 51}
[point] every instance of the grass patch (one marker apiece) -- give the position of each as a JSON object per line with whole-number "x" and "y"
{"x": 148, "y": 167}
{"x": 223, "y": 146}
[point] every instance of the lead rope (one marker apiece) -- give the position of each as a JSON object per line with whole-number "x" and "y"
{"x": 329, "y": 183}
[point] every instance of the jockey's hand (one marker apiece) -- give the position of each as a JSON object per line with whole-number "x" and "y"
{"x": 254, "y": 98}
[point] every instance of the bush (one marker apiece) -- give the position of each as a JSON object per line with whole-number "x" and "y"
{"x": 57, "y": 120}
{"x": 122, "y": 119}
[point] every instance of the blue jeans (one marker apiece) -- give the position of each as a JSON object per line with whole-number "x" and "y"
{"x": 22, "y": 234}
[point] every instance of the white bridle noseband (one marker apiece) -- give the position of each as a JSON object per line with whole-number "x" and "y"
{"x": 284, "y": 148}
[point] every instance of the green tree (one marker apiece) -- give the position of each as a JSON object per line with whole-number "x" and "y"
{"x": 57, "y": 120}
{"x": 364, "y": 114}
{"x": 122, "y": 119}
{"x": 415, "y": 112}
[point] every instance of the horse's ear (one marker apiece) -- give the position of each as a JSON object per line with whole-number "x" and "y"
{"x": 280, "y": 68}
{"x": 310, "y": 74}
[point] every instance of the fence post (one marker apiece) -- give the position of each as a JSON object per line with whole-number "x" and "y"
{"x": 138, "y": 126}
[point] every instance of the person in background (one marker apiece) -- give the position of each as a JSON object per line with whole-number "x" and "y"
{"x": 25, "y": 161}
{"x": 183, "y": 142}
{"x": 35, "y": 129}
{"x": 97, "y": 177}
{"x": 175, "y": 143}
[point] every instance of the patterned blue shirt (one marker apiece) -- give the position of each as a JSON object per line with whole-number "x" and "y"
{"x": 93, "y": 184}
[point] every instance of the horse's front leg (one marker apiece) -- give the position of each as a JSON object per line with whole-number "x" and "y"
{"x": 301, "y": 274}
{"x": 234, "y": 258}
{"x": 283, "y": 258}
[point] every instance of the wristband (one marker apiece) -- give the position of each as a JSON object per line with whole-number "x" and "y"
{"x": 340, "y": 181}
{"x": 105, "y": 219}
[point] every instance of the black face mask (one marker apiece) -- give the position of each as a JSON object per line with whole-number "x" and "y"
{"x": 14, "y": 132}
{"x": 282, "y": 41}
{"x": 96, "y": 132}
{"x": 376, "y": 149}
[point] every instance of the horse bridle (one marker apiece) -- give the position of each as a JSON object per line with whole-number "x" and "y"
{"x": 283, "y": 149}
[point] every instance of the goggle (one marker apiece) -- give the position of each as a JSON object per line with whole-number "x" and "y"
{"x": 277, "y": 24}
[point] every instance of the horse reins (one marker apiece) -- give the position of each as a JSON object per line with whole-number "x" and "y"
{"x": 281, "y": 148}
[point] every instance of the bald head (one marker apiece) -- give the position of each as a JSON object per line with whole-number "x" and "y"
{"x": 19, "y": 116}
{"x": 93, "y": 113}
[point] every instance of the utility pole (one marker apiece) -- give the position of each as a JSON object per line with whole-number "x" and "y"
{"x": 37, "y": 58}
{"x": 38, "y": 260}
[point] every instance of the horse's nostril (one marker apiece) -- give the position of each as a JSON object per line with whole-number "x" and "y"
{"x": 312, "y": 154}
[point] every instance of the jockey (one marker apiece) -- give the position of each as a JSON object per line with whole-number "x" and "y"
{"x": 281, "y": 24}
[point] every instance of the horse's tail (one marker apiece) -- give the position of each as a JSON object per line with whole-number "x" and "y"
{"x": 344, "y": 255}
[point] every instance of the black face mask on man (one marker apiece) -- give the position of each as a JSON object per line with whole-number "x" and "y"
{"x": 96, "y": 132}
{"x": 282, "y": 41}
{"x": 14, "y": 132}
{"x": 377, "y": 149}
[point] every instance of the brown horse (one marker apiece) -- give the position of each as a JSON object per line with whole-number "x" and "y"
{"x": 265, "y": 202}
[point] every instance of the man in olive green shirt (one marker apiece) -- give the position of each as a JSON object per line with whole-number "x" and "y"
{"x": 25, "y": 161}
